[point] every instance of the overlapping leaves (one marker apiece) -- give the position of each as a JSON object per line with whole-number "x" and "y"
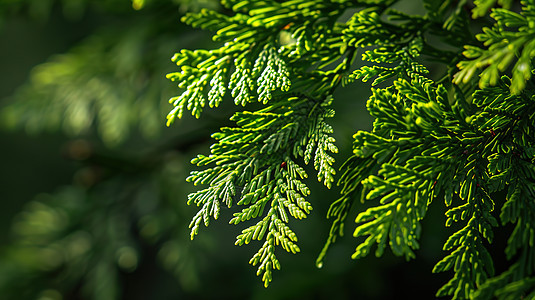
{"x": 252, "y": 165}
{"x": 503, "y": 46}
{"x": 257, "y": 163}
{"x": 425, "y": 150}
{"x": 429, "y": 140}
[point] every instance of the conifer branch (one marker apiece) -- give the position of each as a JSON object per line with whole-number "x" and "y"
{"x": 504, "y": 46}
{"x": 430, "y": 138}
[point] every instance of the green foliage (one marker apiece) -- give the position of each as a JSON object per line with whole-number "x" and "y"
{"x": 430, "y": 139}
{"x": 440, "y": 137}
{"x": 510, "y": 38}
{"x": 253, "y": 164}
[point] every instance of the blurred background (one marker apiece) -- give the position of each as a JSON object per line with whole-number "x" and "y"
{"x": 92, "y": 182}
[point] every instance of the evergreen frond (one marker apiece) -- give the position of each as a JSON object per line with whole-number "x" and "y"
{"x": 253, "y": 168}
{"x": 503, "y": 47}
{"x": 482, "y": 7}
{"x": 431, "y": 138}
{"x": 396, "y": 46}
{"x": 412, "y": 140}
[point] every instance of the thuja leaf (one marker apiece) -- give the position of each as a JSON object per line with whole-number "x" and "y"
{"x": 431, "y": 138}
{"x": 503, "y": 47}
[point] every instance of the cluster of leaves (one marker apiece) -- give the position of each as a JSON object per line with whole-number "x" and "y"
{"x": 510, "y": 38}
{"x": 256, "y": 163}
{"x": 441, "y": 138}
{"x": 430, "y": 150}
